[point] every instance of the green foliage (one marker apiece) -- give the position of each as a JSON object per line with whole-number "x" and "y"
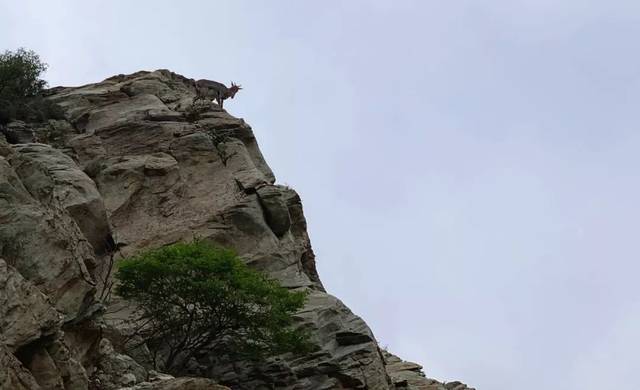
{"x": 34, "y": 109}
{"x": 20, "y": 73}
{"x": 21, "y": 86}
{"x": 194, "y": 298}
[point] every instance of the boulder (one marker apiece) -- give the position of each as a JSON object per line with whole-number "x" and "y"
{"x": 275, "y": 208}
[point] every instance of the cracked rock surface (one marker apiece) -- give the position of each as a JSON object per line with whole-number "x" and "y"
{"x": 136, "y": 165}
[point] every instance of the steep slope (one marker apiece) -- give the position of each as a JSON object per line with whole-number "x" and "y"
{"x": 136, "y": 165}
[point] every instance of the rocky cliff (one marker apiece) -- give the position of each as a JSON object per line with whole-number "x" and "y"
{"x": 136, "y": 164}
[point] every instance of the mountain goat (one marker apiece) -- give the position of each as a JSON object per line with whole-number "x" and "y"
{"x": 207, "y": 89}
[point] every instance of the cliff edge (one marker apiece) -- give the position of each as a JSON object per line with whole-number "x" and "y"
{"x": 134, "y": 165}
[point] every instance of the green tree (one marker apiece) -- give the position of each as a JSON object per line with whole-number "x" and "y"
{"x": 20, "y": 74}
{"x": 194, "y": 298}
{"x": 21, "y": 87}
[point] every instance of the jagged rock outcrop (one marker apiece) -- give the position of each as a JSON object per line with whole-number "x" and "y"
{"x": 136, "y": 165}
{"x": 408, "y": 375}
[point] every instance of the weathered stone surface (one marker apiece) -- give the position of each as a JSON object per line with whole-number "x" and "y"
{"x": 299, "y": 232}
{"x": 71, "y": 370}
{"x": 408, "y": 375}
{"x": 43, "y": 242}
{"x": 136, "y": 161}
{"x": 136, "y": 108}
{"x": 276, "y": 211}
{"x": 44, "y": 369}
{"x": 353, "y": 359}
{"x": 169, "y": 180}
{"x": 53, "y": 132}
{"x": 114, "y": 370}
{"x": 18, "y": 132}
{"x": 25, "y": 313}
{"x": 52, "y": 176}
{"x": 5, "y": 147}
{"x": 242, "y": 166}
{"x": 456, "y": 385}
{"x": 13, "y": 375}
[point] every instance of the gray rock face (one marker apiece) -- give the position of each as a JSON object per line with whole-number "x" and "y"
{"x": 5, "y": 147}
{"x": 29, "y": 328}
{"x": 52, "y": 176}
{"x": 13, "y": 375}
{"x": 114, "y": 370}
{"x": 137, "y": 164}
{"x": 276, "y": 212}
{"x": 40, "y": 239}
{"x": 26, "y": 314}
{"x": 19, "y": 132}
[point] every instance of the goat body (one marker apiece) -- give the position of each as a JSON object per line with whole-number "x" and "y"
{"x": 207, "y": 89}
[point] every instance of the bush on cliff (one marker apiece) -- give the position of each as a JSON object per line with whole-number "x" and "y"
{"x": 195, "y": 298}
{"x": 21, "y": 88}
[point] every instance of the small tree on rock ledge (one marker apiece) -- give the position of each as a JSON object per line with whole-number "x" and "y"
{"x": 195, "y": 298}
{"x": 21, "y": 88}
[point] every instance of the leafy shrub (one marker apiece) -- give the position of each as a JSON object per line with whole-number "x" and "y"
{"x": 20, "y": 73}
{"x": 35, "y": 109}
{"x": 21, "y": 88}
{"x": 194, "y": 298}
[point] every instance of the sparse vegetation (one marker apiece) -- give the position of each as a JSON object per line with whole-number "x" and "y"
{"x": 195, "y": 298}
{"x": 21, "y": 88}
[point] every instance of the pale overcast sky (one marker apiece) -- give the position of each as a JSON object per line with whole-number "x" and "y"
{"x": 469, "y": 169}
